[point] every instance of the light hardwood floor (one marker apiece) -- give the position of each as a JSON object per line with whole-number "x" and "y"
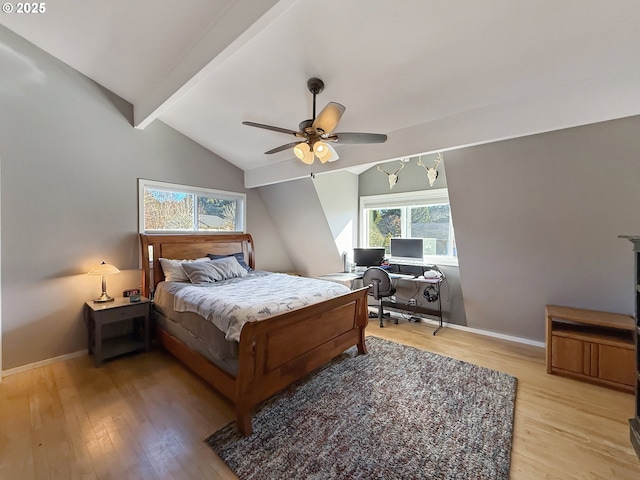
{"x": 145, "y": 417}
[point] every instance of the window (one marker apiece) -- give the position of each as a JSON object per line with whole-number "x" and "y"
{"x": 167, "y": 207}
{"x": 423, "y": 215}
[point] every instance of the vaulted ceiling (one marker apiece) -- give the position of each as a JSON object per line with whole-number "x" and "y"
{"x": 432, "y": 75}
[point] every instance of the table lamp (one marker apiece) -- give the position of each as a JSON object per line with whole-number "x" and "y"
{"x": 103, "y": 269}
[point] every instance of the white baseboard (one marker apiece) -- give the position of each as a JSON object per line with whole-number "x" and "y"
{"x": 43, "y": 363}
{"x": 486, "y": 333}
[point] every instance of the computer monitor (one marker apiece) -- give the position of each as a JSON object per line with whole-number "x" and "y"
{"x": 407, "y": 248}
{"x": 368, "y": 257}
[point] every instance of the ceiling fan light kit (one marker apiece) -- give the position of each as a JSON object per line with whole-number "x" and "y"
{"x": 304, "y": 153}
{"x": 317, "y": 131}
{"x": 321, "y": 150}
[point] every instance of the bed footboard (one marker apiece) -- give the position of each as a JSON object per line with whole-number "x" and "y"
{"x": 276, "y": 352}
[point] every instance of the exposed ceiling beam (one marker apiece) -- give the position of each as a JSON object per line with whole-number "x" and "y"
{"x": 242, "y": 21}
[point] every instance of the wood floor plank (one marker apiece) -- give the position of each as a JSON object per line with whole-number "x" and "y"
{"x": 144, "y": 416}
{"x": 16, "y": 456}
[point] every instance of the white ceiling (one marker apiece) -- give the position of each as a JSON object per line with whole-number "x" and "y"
{"x": 431, "y": 74}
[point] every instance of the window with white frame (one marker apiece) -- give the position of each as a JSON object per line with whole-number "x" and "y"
{"x": 425, "y": 215}
{"x": 167, "y": 207}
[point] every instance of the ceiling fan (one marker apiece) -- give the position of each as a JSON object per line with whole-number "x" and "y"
{"x": 316, "y": 132}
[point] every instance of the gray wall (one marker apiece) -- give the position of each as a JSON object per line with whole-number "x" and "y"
{"x": 338, "y": 195}
{"x": 296, "y": 209}
{"x": 537, "y": 220}
{"x": 70, "y": 164}
{"x": 413, "y": 178}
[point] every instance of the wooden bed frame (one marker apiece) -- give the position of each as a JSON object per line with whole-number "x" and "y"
{"x": 273, "y": 353}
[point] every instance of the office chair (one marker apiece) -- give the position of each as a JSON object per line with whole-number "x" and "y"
{"x": 379, "y": 283}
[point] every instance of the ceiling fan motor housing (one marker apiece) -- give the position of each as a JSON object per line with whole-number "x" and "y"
{"x": 315, "y": 85}
{"x": 305, "y": 124}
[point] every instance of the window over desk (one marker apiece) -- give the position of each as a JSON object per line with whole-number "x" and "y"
{"x": 425, "y": 215}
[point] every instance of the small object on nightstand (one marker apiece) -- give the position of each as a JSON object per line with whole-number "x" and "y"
{"x": 133, "y": 295}
{"x": 120, "y": 310}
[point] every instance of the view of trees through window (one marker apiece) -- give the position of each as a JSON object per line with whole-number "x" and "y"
{"x": 429, "y": 222}
{"x": 433, "y": 224}
{"x": 167, "y": 210}
{"x": 216, "y": 214}
{"x": 174, "y": 210}
{"x": 384, "y": 224}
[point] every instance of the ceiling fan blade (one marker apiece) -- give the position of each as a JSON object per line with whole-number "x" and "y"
{"x": 351, "y": 137}
{"x": 282, "y": 148}
{"x": 271, "y": 127}
{"x": 329, "y": 117}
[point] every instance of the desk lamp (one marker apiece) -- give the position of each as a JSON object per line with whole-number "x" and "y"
{"x": 103, "y": 269}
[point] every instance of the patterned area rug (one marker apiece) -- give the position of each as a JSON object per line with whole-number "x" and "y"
{"x": 397, "y": 412}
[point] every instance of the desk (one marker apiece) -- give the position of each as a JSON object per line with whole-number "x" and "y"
{"x": 347, "y": 279}
{"x": 436, "y": 312}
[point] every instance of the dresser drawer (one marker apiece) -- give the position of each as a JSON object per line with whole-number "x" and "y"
{"x": 123, "y": 313}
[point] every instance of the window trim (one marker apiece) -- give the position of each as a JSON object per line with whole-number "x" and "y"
{"x": 406, "y": 199}
{"x": 188, "y": 189}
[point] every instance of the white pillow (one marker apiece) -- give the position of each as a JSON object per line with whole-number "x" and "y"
{"x": 173, "y": 271}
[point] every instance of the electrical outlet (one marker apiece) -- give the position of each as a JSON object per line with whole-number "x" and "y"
{"x": 412, "y": 302}
{"x": 392, "y": 299}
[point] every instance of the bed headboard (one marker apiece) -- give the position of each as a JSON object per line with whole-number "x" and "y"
{"x": 188, "y": 247}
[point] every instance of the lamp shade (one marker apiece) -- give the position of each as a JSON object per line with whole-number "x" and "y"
{"x": 321, "y": 151}
{"x": 103, "y": 269}
{"x": 304, "y": 153}
{"x": 334, "y": 155}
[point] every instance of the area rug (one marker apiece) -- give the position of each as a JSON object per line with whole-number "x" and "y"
{"x": 396, "y": 413}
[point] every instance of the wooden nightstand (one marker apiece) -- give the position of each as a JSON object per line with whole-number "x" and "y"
{"x": 97, "y": 315}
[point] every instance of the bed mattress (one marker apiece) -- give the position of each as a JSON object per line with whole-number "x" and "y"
{"x": 195, "y": 332}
